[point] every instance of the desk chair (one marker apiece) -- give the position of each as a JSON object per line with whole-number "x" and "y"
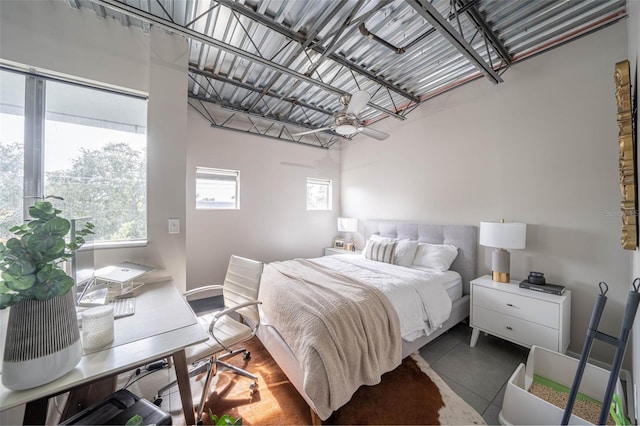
{"x": 240, "y": 291}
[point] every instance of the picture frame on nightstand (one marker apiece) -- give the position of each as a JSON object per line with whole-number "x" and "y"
{"x": 338, "y": 243}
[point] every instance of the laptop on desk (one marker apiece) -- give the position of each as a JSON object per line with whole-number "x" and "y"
{"x": 122, "y": 272}
{"x": 104, "y": 291}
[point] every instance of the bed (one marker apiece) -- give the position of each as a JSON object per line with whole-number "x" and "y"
{"x": 393, "y": 349}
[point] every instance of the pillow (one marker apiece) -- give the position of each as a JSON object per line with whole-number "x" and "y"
{"x": 405, "y": 252}
{"x": 435, "y": 256}
{"x": 380, "y": 251}
{"x": 374, "y": 237}
{"x": 377, "y": 237}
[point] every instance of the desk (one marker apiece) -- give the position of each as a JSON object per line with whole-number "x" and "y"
{"x": 163, "y": 325}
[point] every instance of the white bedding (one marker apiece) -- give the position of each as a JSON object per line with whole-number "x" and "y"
{"x": 453, "y": 286}
{"x": 418, "y": 296}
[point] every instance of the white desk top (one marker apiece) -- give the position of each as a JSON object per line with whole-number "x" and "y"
{"x": 163, "y": 324}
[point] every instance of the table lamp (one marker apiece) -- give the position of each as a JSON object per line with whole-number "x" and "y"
{"x": 348, "y": 225}
{"x": 502, "y": 236}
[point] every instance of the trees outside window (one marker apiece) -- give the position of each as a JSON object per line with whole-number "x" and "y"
{"x": 84, "y": 144}
{"x": 318, "y": 194}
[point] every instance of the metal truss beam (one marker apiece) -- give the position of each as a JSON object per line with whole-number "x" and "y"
{"x": 280, "y": 29}
{"x": 251, "y": 88}
{"x": 187, "y": 32}
{"x": 254, "y": 131}
{"x": 236, "y": 109}
{"x": 439, "y": 22}
{"x": 475, "y": 16}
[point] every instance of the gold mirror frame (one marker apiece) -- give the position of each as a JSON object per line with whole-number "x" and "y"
{"x": 628, "y": 177}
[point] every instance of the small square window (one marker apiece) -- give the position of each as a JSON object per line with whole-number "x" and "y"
{"x": 318, "y": 194}
{"x": 217, "y": 189}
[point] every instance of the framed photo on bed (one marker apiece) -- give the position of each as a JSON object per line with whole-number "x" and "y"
{"x": 338, "y": 243}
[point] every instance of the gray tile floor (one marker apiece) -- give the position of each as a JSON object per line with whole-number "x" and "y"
{"x": 478, "y": 375}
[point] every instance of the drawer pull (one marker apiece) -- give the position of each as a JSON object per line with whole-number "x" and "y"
{"x": 509, "y": 328}
{"x": 510, "y": 305}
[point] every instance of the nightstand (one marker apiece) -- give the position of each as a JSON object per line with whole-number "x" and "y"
{"x": 522, "y": 316}
{"x": 330, "y": 251}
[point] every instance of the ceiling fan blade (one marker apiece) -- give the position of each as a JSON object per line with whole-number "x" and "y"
{"x": 308, "y": 132}
{"x": 376, "y": 134}
{"x": 358, "y": 101}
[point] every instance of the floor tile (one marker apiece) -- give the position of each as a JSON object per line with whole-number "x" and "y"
{"x": 476, "y": 401}
{"x": 500, "y": 397}
{"x": 483, "y": 369}
{"x": 490, "y": 415}
{"x": 439, "y": 347}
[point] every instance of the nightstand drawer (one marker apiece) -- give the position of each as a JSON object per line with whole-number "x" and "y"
{"x": 515, "y": 329}
{"x": 515, "y": 305}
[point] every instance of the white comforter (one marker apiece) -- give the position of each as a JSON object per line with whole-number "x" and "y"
{"x": 418, "y": 296}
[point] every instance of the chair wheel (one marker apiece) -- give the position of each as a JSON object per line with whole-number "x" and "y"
{"x": 247, "y": 355}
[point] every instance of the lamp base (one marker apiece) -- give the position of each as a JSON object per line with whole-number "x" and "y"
{"x": 500, "y": 265}
{"x": 500, "y": 277}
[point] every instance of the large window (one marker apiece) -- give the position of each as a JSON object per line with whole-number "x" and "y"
{"x": 217, "y": 189}
{"x": 11, "y": 151}
{"x": 318, "y": 194}
{"x": 83, "y": 144}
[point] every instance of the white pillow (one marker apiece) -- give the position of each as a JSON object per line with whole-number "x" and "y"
{"x": 377, "y": 237}
{"x": 405, "y": 252}
{"x": 435, "y": 256}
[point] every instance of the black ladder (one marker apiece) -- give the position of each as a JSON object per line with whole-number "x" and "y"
{"x": 620, "y": 343}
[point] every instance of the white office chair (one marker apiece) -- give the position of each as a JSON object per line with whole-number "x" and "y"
{"x": 240, "y": 293}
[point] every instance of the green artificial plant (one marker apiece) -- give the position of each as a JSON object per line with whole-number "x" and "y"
{"x": 30, "y": 263}
{"x": 224, "y": 420}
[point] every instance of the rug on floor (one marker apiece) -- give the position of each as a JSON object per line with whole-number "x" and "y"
{"x": 412, "y": 394}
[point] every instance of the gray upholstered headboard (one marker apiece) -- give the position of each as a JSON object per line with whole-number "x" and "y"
{"x": 462, "y": 236}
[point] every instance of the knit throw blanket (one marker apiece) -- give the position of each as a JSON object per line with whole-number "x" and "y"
{"x": 343, "y": 332}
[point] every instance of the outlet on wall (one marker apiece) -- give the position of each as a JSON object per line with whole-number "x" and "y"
{"x": 174, "y": 226}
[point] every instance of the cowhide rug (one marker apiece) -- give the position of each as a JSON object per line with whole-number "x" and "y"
{"x": 412, "y": 394}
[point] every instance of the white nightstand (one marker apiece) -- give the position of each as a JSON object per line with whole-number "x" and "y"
{"x": 522, "y": 316}
{"x": 330, "y": 251}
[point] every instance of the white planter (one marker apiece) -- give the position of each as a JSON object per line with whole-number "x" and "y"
{"x": 42, "y": 342}
{"x": 520, "y": 407}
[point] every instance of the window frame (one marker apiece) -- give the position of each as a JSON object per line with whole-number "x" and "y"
{"x": 34, "y": 143}
{"x": 216, "y": 171}
{"x": 320, "y": 181}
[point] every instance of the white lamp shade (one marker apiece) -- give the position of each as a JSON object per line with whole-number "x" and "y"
{"x": 347, "y": 224}
{"x": 510, "y": 235}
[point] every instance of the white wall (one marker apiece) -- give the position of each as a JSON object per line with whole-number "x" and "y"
{"x": 540, "y": 148}
{"x": 52, "y": 36}
{"x": 273, "y": 222}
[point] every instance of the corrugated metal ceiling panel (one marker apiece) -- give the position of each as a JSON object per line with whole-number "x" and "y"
{"x": 297, "y": 57}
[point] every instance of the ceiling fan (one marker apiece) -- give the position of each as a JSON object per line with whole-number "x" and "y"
{"x": 347, "y": 121}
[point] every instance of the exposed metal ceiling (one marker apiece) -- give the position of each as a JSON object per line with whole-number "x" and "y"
{"x": 278, "y": 67}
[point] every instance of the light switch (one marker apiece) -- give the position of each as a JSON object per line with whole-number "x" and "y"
{"x": 174, "y": 226}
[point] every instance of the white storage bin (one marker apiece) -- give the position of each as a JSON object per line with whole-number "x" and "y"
{"x": 523, "y": 408}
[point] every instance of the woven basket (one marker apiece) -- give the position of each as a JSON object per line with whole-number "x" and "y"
{"x": 42, "y": 343}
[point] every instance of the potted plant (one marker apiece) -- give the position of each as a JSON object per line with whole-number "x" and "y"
{"x": 43, "y": 340}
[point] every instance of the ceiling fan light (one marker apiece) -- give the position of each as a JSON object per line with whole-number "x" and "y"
{"x": 345, "y": 129}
